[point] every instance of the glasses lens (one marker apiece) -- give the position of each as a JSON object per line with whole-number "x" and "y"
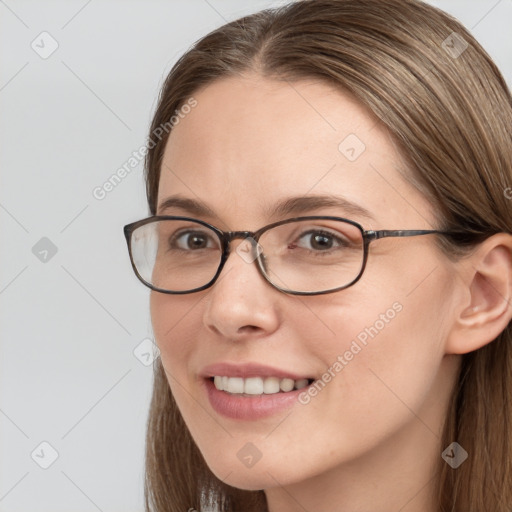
{"x": 313, "y": 255}
{"x": 176, "y": 255}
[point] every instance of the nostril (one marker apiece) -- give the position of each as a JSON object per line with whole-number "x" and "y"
{"x": 248, "y": 328}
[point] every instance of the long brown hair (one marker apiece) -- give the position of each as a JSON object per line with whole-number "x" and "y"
{"x": 448, "y": 108}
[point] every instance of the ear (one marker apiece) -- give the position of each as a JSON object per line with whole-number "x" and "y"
{"x": 487, "y": 307}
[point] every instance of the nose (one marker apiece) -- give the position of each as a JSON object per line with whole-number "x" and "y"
{"x": 241, "y": 302}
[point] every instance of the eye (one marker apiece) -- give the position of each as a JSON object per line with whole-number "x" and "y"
{"x": 321, "y": 240}
{"x": 192, "y": 241}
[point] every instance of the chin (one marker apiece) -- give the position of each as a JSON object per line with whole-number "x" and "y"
{"x": 265, "y": 473}
{"x": 247, "y": 479}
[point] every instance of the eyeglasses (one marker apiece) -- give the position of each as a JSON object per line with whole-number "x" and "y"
{"x": 301, "y": 256}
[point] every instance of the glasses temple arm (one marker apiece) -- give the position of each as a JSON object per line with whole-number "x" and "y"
{"x": 384, "y": 233}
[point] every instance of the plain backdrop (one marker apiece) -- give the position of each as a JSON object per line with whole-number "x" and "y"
{"x": 78, "y": 86}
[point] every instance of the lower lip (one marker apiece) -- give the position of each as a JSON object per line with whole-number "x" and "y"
{"x": 249, "y": 407}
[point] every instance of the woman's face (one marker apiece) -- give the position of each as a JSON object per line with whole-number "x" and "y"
{"x": 248, "y": 145}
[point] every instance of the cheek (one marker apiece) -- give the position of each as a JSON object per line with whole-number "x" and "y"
{"x": 385, "y": 349}
{"x": 392, "y": 349}
{"x": 173, "y": 322}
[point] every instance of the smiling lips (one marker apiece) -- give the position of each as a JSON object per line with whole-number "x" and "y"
{"x": 258, "y": 385}
{"x": 251, "y": 391}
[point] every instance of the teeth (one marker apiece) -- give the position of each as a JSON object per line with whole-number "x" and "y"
{"x": 302, "y": 383}
{"x": 253, "y": 386}
{"x": 286, "y": 385}
{"x": 257, "y": 385}
{"x": 236, "y": 384}
{"x": 270, "y": 385}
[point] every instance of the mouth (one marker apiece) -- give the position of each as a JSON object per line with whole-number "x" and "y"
{"x": 250, "y": 391}
{"x": 258, "y": 386}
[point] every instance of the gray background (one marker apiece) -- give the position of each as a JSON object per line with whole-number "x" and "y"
{"x": 72, "y": 319}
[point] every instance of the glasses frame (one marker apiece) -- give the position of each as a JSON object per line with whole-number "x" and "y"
{"x": 226, "y": 237}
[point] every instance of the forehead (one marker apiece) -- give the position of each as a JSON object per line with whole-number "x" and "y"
{"x": 250, "y": 142}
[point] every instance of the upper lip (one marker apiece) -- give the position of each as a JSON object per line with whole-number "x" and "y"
{"x": 245, "y": 370}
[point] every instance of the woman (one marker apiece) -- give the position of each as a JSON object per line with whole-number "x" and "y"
{"x": 352, "y": 351}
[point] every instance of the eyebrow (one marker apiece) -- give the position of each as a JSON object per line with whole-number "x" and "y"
{"x": 289, "y": 206}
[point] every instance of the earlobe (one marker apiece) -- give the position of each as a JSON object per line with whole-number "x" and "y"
{"x": 489, "y": 287}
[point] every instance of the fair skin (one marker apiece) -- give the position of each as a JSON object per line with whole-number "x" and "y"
{"x": 370, "y": 440}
